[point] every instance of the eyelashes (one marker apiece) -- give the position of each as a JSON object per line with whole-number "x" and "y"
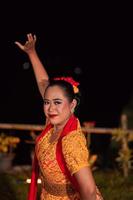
{"x": 55, "y": 102}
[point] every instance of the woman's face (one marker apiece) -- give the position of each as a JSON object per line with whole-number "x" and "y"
{"x": 57, "y": 107}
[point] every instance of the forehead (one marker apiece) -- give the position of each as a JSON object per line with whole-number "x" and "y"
{"x": 54, "y": 92}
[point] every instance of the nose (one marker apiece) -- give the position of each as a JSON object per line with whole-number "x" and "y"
{"x": 51, "y": 107}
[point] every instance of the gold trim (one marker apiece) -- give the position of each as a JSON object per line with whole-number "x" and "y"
{"x": 58, "y": 189}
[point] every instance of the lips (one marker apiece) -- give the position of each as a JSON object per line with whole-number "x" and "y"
{"x": 52, "y": 116}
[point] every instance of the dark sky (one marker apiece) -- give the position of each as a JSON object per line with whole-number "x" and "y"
{"x": 97, "y": 44}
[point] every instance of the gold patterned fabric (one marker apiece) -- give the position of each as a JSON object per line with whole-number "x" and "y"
{"x": 55, "y": 186}
{"x": 54, "y": 183}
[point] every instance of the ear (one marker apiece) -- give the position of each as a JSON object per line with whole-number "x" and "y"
{"x": 73, "y": 105}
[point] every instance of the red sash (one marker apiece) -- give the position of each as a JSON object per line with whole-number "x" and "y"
{"x": 70, "y": 126}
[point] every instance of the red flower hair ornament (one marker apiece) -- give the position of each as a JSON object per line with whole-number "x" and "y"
{"x": 71, "y": 81}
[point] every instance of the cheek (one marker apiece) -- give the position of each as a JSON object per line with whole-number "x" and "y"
{"x": 45, "y": 108}
{"x": 66, "y": 107}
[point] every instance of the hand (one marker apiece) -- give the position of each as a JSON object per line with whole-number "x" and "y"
{"x": 29, "y": 45}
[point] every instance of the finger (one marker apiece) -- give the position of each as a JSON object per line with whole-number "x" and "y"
{"x": 30, "y": 38}
{"x": 35, "y": 38}
{"x": 19, "y": 45}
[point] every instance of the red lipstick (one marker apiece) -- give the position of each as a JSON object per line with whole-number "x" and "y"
{"x": 52, "y": 116}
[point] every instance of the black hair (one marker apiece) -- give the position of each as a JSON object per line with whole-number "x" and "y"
{"x": 67, "y": 88}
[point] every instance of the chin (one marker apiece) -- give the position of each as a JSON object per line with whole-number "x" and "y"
{"x": 54, "y": 122}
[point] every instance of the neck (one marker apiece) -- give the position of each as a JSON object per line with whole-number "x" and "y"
{"x": 58, "y": 128}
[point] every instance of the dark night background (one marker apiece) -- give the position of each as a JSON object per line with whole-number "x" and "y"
{"x": 90, "y": 43}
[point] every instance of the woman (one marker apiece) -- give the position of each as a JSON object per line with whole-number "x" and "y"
{"x": 60, "y": 152}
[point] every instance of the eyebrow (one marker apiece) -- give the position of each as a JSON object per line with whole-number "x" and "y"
{"x": 57, "y": 99}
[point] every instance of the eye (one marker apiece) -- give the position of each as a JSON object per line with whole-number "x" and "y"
{"x": 57, "y": 102}
{"x": 46, "y": 102}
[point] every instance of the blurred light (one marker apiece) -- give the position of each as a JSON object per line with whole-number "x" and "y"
{"x": 77, "y": 70}
{"x": 28, "y": 180}
{"x": 26, "y": 65}
{"x": 39, "y": 181}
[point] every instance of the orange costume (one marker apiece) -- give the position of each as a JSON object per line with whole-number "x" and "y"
{"x": 58, "y": 161}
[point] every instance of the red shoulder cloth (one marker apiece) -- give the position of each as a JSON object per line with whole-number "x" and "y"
{"x": 70, "y": 126}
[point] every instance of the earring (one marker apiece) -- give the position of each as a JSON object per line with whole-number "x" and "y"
{"x": 72, "y": 110}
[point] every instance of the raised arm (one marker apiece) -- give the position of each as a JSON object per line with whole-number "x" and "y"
{"x": 40, "y": 72}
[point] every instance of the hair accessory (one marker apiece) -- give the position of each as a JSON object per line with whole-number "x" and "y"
{"x": 71, "y": 81}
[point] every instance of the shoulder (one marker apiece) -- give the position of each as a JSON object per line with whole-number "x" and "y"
{"x": 74, "y": 137}
{"x": 75, "y": 151}
{"x": 74, "y": 143}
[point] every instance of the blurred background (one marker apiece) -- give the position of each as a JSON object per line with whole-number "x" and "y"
{"x": 91, "y": 43}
